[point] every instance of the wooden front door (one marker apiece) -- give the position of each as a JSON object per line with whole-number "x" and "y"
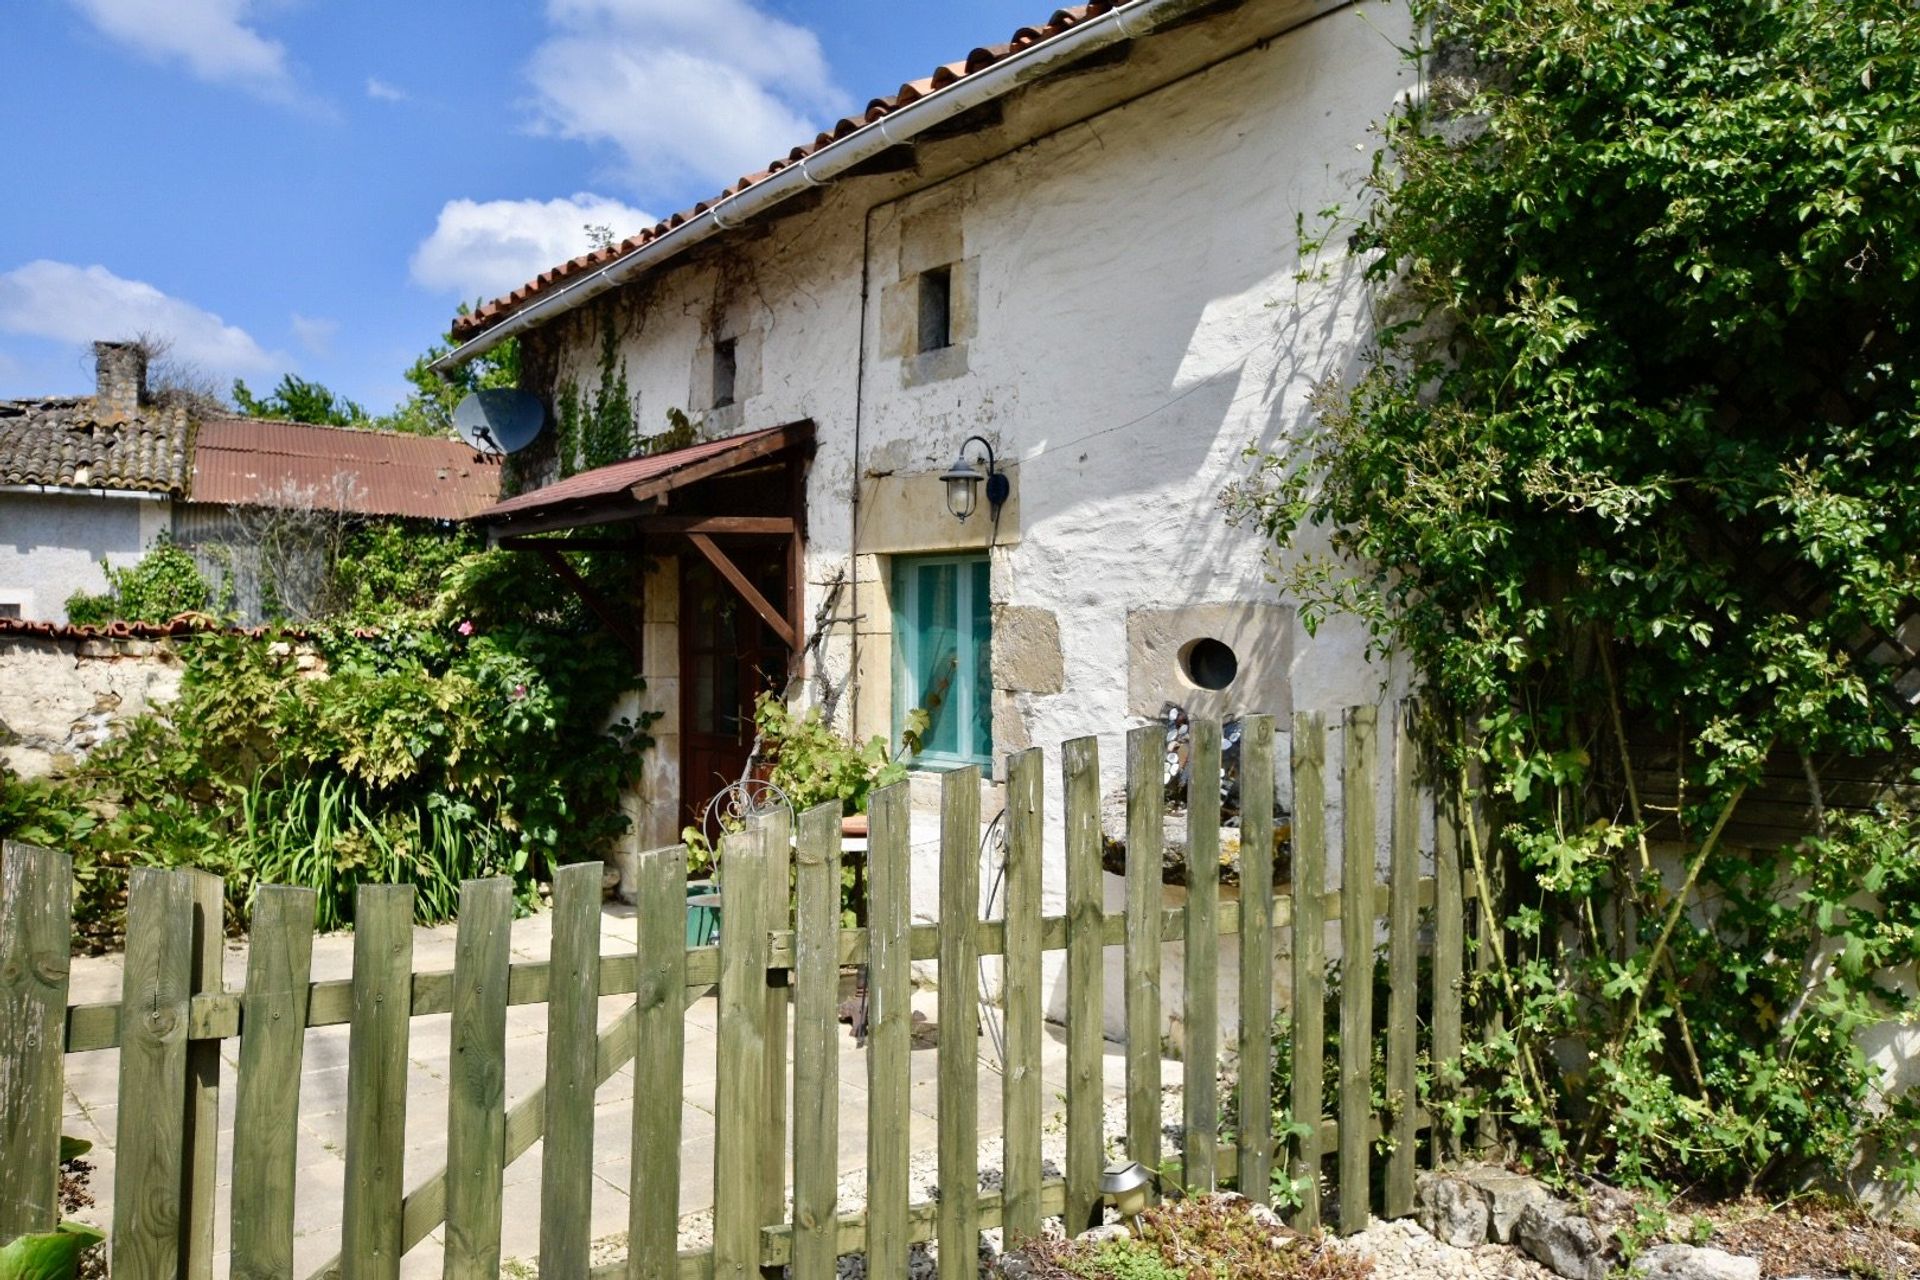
{"x": 728, "y": 658}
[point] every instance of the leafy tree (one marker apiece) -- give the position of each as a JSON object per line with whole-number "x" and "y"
{"x": 428, "y": 409}
{"x": 297, "y": 400}
{"x": 1639, "y": 454}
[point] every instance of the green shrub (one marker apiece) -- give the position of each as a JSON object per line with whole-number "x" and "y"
{"x": 163, "y": 584}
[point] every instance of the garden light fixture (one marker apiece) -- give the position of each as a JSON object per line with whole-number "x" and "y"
{"x": 963, "y": 482}
{"x": 1124, "y": 1186}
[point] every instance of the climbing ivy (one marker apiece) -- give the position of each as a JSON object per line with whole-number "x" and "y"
{"x": 1634, "y": 478}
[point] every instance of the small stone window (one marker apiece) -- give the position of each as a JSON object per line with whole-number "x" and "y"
{"x": 10, "y": 609}
{"x": 936, "y": 309}
{"x": 726, "y": 372}
{"x": 1209, "y": 663}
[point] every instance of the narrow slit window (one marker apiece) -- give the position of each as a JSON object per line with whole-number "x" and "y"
{"x": 726, "y": 372}
{"x": 936, "y": 309}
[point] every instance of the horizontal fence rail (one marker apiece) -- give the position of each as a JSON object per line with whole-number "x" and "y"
{"x": 777, "y": 971}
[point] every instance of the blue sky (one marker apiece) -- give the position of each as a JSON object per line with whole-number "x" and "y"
{"x": 313, "y": 185}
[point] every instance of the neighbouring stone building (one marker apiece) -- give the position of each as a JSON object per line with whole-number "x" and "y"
{"x": 93, "y": 481}
{"x": 1078, "y": 250}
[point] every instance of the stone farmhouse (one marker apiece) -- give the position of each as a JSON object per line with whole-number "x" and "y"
{"x": 87, "y": 481}
{"x": 1070, "y": 261}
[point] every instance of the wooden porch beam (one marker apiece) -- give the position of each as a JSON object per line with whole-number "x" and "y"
{"x": 595, "y": 602}
{"x": 787, "y": 437}
{"x": 716, "y": 524}
{"x": 731, "y": 572}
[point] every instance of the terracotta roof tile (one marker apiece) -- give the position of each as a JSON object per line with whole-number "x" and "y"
{"x": 490, "y": 314}
{"x": 56, "y": 441}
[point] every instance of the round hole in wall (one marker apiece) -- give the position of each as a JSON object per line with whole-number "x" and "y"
{"x": 1209, "y": 663}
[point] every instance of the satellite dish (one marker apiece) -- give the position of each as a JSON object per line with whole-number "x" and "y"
{"x": 500, "y": 420}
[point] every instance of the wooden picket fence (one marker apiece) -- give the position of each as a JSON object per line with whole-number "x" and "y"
{"x": 777, "y": 970}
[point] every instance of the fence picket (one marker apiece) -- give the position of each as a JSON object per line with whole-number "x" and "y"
{"x": 659, "y": 1064}
{"x": 1448, "y": 917}
{"x": 370, "y": 1238}
{"x": 266, "y": 1112}
{"x": 150, "y": 1145}
{"x": 1357, "y": 873}
{"x": 773, "y": 1163}
{"x": 1080, "y": 766}
{"x": 477, "y": 1081}
{"x": 36, "y": 926}
{"x": 566, "y": 1161}
{"x": 959, "y": 1013}
{"x": 816, "y": 1048}
{"x": 1403, "y": 968}
{"x": 889, "y": 1022}
{"x": 1146, "y": 844}
{"x": 1309, "y": 955}
{"x": 741, "y": 1095}
{"x": 1202, "y": 995}
{"x": 1022, "y": 997}
{"x": 201, "y": 1128}
{"x": 1255, "y": 1170}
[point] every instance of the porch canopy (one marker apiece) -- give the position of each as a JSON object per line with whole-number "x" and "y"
{"x": 749, "y": 485}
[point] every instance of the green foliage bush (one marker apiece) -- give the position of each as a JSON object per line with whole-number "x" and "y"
{"x": 1640, "y": 449}
{"x": 465, "y": 736}
{"x": 163, "y": 584}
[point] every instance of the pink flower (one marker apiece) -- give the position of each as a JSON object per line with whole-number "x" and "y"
{"x": 465, "y": 628}
{"x": 519, "y": 692}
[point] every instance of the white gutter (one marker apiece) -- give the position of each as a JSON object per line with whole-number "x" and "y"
{"x": 1125, "y": 22}
{"x": 84, "y": 491}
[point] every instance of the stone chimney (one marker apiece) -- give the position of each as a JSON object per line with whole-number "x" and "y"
{"x": 120, "y": 380}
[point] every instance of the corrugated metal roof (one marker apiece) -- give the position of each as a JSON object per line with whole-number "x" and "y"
{"x": 483, "y": 318}
{"x": 623, "y": 477}
{"x": 261, "y": 463}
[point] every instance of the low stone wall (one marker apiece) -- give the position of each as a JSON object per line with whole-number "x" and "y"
{"x": 62, "y": 694}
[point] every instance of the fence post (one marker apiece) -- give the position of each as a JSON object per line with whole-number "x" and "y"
{"x": 370, "y": 1235}
{"x": 659, "y": 1064}
{"x": 958, "y": 1221}
{"x": 1080, "y": 765}
{"x": 816, "y": 1046}
{"x": 889, "y": 1023}
{"x": 477, "y": 1085}
{"x": 1403, "y": 967}
{"x": 1021, "y": 1084}
{"x": 1202, "y": 996}
{"x": 741, "y": 1095}
{"x": 1255, "y": 1138}
{"x": 1309, "y": 955}
{"x": 1146, "y": 845}
{"x": 1357, "y": 873}
{"x": 266, "y": 1113}
{"x": 151, "y": 1139}
{"x": 36, "y": 927}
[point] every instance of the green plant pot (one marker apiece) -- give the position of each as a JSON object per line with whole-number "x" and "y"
{"x": 703, "y": 920}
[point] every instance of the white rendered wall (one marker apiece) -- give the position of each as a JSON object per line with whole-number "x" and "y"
{"x": 52, "y": 544}
{"x": 1135, "y": 323}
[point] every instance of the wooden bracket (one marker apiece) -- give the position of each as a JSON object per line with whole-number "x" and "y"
{"x": 731, "y": 572}
{"x": 594, "y": 601}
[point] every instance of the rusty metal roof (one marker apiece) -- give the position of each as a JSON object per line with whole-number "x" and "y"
{"x": 262, "y": 463}
{"x": 483, "y": 318}
{"x": 590, "y": 494}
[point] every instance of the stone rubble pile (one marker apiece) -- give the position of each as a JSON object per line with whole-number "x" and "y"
{"x": 1478, "y": 1205}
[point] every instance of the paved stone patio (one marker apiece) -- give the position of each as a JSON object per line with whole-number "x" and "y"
{"x": 92, "y": 1101}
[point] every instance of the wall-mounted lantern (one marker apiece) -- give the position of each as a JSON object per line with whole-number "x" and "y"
{"x": 964, "y": 477}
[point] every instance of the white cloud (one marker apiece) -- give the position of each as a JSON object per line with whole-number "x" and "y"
{"x": 481, "y": 249}
{"x": 314, "y": 333}
{"x": 706, "y": 91}
{"x": 211, "y": 37}
{"x": 68, "y": 303}
{"x": 381, "y": 91}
